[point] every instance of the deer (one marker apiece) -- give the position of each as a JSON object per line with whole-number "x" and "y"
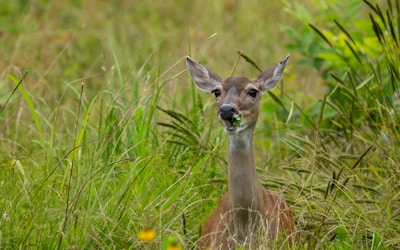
{"x": 248, "y": 215}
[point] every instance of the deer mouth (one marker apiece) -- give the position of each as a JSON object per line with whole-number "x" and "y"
{"x": 232, "y": 123}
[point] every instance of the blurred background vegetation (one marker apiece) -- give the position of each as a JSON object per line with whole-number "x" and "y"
{"x": 103, "y": 137}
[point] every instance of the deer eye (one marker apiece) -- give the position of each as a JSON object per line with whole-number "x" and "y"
{"x": 216, "y": 92}
{"x": 252, "y": 92}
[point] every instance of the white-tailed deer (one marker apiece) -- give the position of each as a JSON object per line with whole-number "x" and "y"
{"x": 248, "y": 215}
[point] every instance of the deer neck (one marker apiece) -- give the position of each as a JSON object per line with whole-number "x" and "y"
{"x": 244, "y": 188}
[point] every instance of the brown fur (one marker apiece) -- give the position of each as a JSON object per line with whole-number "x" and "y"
{"x": 279, "y": 218}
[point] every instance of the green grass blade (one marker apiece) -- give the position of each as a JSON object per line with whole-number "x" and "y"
{"x": 357, "y": 56}
{"x": 361, "y": 157}
{"x": 85, "y": 123}
{"x": 30, "y": 106}
{"x": 344, "y": 31}
{"x": 249, "y": 60}
{"x": 321, "y": 35}
{"x": 13, "y": 91}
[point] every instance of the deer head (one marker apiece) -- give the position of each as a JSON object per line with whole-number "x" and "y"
{"x": 237, "y": 98}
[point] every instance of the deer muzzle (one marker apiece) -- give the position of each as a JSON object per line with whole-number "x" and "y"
{"x": 229, "y": 116}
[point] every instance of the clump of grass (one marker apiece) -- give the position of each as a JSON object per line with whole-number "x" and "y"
{"x": 345, "y": 165}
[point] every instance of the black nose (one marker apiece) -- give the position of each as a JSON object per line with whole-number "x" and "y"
{"x": 227, "y": 111}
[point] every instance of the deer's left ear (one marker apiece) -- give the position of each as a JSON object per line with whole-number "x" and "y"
{"x": 271, "y": 76}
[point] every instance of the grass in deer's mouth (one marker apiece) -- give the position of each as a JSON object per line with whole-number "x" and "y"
{"x": 236, "y": 120}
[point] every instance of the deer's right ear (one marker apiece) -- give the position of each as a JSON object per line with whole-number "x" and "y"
{"x": 205, "y": 79}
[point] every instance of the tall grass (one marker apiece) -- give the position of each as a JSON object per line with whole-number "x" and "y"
{"x": 106, "y": 137}
{"x": 347, "y": 162}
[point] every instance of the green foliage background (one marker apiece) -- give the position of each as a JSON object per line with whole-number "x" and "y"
{"x": 102, "y": 133}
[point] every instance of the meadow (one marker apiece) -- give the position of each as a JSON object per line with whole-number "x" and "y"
{"x": 105, "y": 142}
